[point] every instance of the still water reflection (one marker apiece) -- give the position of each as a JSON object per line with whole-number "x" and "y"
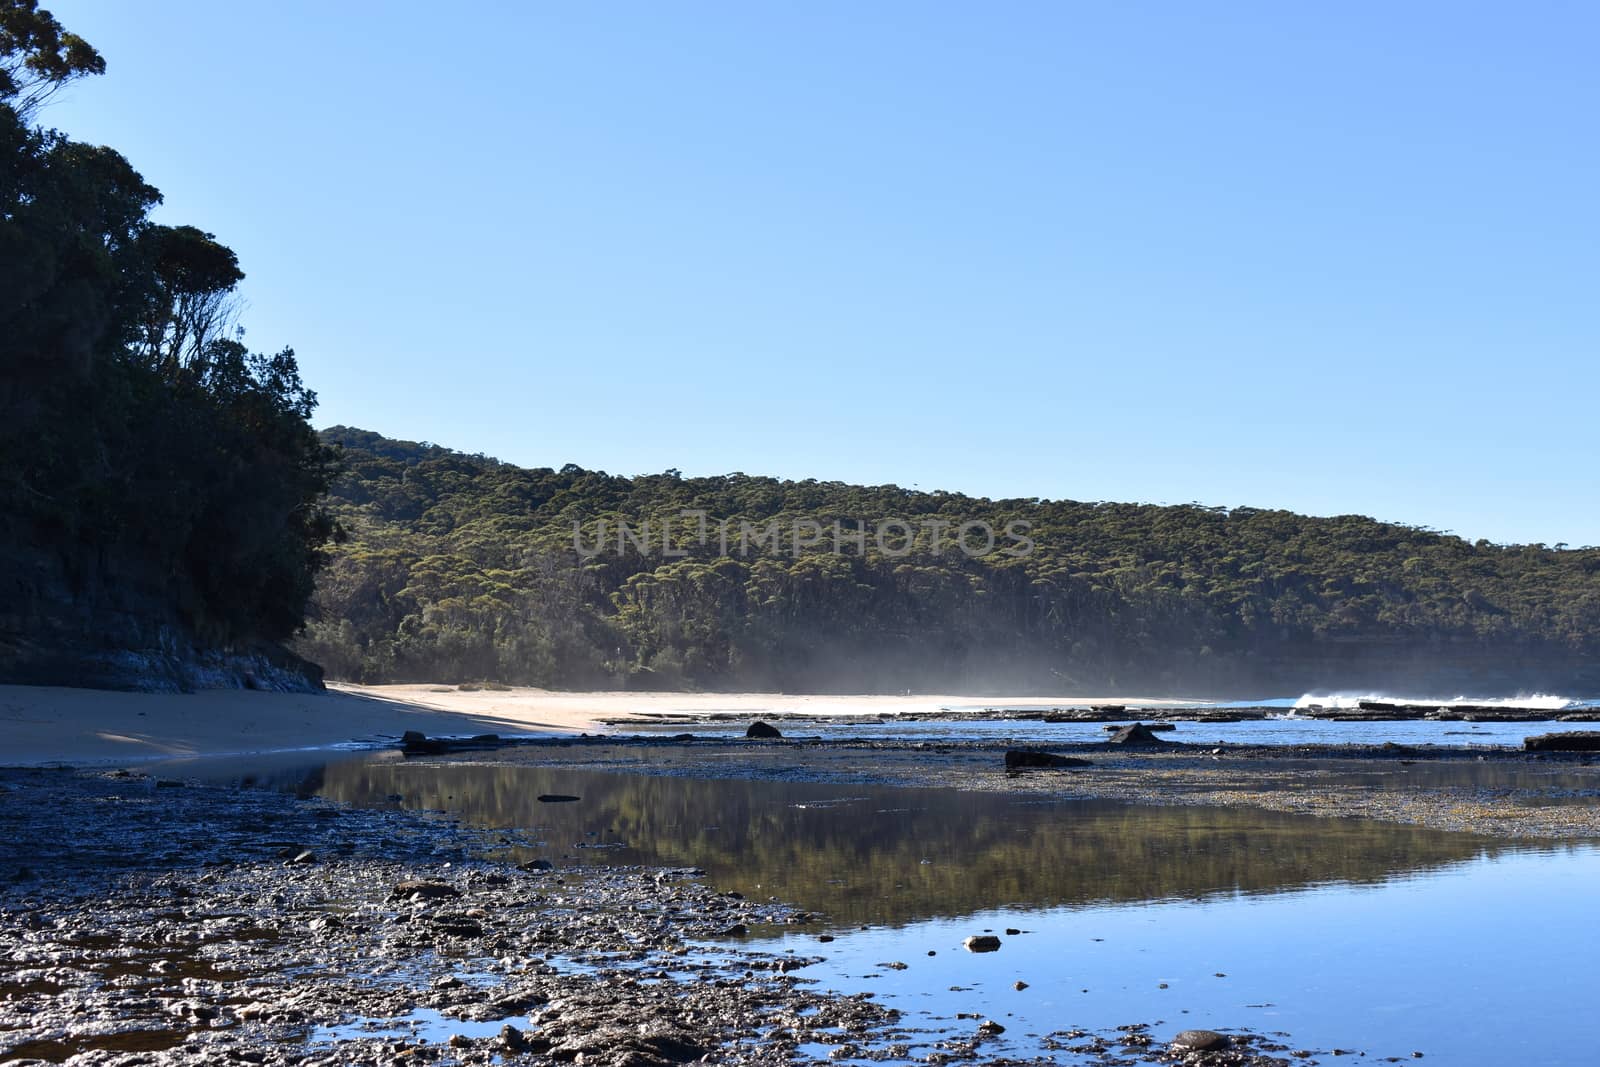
{"x": 861, "y": 854}
{"x": 1341, "y": 933}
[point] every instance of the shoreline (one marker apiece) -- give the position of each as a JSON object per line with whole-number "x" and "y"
{"x": 1500, "y": 791}
{"x": 54, "y": 724}
{"x": 42, "y": 725}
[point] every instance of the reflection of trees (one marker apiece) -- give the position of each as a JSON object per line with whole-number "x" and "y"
{"x": 861, "y": 859}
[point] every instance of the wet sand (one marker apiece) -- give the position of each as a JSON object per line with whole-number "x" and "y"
{"x": 40, "y": 724}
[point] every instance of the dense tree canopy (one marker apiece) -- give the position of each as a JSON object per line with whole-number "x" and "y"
{"x": 464, "y": 568}
{"x": 158, "y": 482}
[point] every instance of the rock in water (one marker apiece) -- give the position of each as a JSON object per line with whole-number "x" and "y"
{"x": 1575, "y": 741}
{"x": 557, "y": 798}
{"x": 1136, "y": 734}
{"x": 1018, "y": 758}
{"x": 982, "y": 943}
{"x": 762, "y": 729}
{"x": 415, "y": 743}
{"x": 1199, "y": 1041}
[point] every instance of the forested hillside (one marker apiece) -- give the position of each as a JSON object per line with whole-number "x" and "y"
{"x": 461, "y": 568}
{"x": 159, "y": 482}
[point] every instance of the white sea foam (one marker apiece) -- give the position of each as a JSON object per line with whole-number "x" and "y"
{"x": 1532, "y": 701}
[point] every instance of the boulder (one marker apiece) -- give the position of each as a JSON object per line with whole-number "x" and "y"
{"x": 762, "y": 729}
{"x": 1199, "y": 1041}
{"x": 1136, "y": 734}
{"x": 416, "y": 743}
{"x": 982, "y": 943}
{"x": 1575, "y": 741}
{"x": 1019, "y": 758}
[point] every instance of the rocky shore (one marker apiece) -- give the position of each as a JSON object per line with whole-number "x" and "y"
{"x": 153, "y": 921}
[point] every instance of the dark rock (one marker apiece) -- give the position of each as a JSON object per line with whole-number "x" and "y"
{"x": 1018, "y": 758}
{"x": 1200, "y": 1041}
{"x": 1136, "y": 734}
{"x": 413, "y": 743}
{"x": 536, "y": 865}
{"x": 557, "y": 798}
{"x": 457, "y": 926}
{"x": 762, "y": 729}
{"x": 982, "y": 943}
{"x": 1575, "y": 741}
{"x": 674, "y": 1048}
{"x": 423, "y": 889}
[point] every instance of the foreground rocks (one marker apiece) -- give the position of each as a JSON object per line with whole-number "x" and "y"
{"x": 164, "y": 926}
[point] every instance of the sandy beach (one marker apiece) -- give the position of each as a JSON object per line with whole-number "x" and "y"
{"x": 45, "y": 724}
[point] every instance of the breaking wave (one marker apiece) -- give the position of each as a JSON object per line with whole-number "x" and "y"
{"x": 1532, "y": 702}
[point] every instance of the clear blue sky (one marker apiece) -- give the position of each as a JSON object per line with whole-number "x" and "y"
{"x": 1335, "y": 258}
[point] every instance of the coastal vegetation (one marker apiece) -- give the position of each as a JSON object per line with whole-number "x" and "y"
{"x": 159, "y": 481}
{"x": 463, "y": 568}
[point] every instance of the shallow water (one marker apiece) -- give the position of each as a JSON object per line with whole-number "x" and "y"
{"x": 1342, "y": 933}
{"x": 1475, "y": 963}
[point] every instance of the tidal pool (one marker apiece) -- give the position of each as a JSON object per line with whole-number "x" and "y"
{"x": 1373, "y": 938}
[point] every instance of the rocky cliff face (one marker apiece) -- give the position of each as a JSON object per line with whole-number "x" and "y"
{"x": 107, "y": 619}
